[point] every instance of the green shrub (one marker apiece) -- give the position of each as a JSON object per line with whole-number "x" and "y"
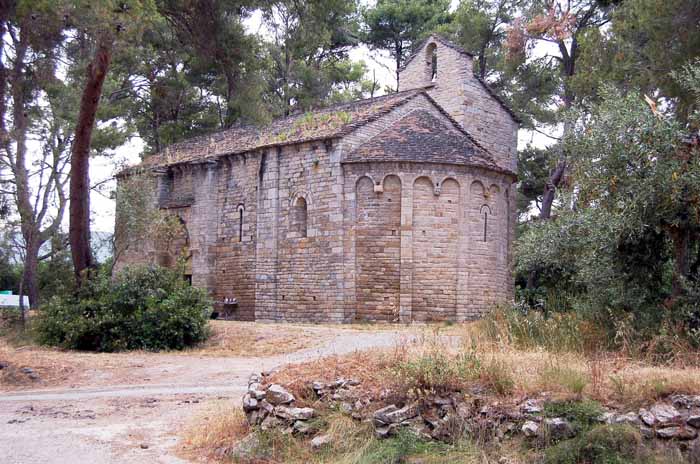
{"x": 146, "y": 308}
{"x": 581, "y": 414}
{"x": 604, "y": 444}
{"x": 400, "y": 447}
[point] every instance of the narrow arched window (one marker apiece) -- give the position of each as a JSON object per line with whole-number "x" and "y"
{"x": 241, "y": 208}
{"x": 486, "y": 212}
{"x": 431, "y": 61}
{"x": 299, "y": 217}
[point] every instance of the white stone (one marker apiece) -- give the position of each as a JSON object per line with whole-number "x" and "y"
{"x": 530, "y": 429}
{"x": 320, "y": 441}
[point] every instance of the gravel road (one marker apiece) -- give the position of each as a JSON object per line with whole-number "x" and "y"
{"x": 138, "y": 423}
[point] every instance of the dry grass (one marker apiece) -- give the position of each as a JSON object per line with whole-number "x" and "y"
{"x": 209, "y": 435}
{"x": 609, "y": 378}
{"x": 52, "y": 366}
{"x": 233, "y": 338}
{"x": 368, "y": 367}
{"x": 508, "y": 374}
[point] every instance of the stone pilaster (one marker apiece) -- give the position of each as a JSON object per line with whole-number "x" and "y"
{"x": 267, "y": 237}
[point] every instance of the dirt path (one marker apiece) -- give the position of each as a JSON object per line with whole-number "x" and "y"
{"x": 137, "y": 419}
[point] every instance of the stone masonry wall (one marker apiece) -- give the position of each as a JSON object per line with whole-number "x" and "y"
{"x": 461, "y": 94}
{"x": 435, "y": 249}
{"x": 447, "y": 273}
{"x": 309, "y": 274}
{"x": 418, "y": 239}
{"x": 378, "y": 257}
{"x": 187, "y": 192}
{"x": 235, "y": 264}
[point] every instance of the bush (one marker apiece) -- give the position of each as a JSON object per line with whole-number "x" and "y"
{"x": 608, "y": 444}
{"x": 581, "y": 414}
{"x": 148, "y": 308}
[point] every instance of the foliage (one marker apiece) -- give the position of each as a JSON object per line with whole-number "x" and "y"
{"x": 609, "y": 444}
{"x": 626, "y": 252}
{"x": 138, "y": 216}
{"x": 582, "y": 414}
{"x": 307, "y": 59}
{"x": 405, "y": 444}
{"x": 398, "y": 26}
{"x": 146, "y": 308}
{"x": 573, "y": 380}
{"x": 497, "y": 375}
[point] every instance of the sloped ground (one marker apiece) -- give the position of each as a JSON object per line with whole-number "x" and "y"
{"x": 129, "y": 407}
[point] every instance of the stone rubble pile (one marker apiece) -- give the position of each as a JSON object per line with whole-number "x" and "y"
{"x": 444, "y": 417}
{"x": 273, "y": 407}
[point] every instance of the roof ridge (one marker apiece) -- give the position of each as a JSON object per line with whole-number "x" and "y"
{"x": 337, "y": 106}
{"x": 459, "y": 127}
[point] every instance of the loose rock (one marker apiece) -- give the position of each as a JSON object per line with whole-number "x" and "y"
{"x": 531, "y": 407}
{"x": 677, "y": 432}
{"x": 694, "y": 421}
{"x": 630, "y": 418}
{"x": 320, "y": 441}
{"x": 530, "y": 429}
{"x": 270, "y": 422}
{"x": 665, "y": 413}
{"x": 380, "y": 415}
{"x": 293, "y": 414}
{"x": 559, "y": 429}
{"x": 245, "y": 448}
{"x": 302, "y": 427}
{"x": 249, "y": 403}
{"x": 276, "y": 394}
{"x": 401, "y": 415}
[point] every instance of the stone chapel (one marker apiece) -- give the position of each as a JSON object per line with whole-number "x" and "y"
{"x": 397, "y": 208}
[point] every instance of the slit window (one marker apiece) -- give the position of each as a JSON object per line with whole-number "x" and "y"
{"x": 241, "y": 208}
{"x": 486, "y": 211}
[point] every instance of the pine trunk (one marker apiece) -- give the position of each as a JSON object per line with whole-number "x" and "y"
{"x": 79, "y": 228}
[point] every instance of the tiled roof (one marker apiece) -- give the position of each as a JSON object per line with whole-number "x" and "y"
{"x": 323, "y": 124}
{"x": 421, "y": 136}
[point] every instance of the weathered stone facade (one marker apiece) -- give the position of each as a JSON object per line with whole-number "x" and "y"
{"x": 398, "y": 208}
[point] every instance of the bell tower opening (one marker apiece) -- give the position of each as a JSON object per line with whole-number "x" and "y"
{"x": 431, "y": 61}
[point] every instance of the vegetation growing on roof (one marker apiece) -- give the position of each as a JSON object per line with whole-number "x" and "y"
{"x": 309, "y": 125}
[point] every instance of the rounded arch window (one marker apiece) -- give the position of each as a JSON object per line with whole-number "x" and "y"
{"x": 431, "y": 60}
{"x": 299, "y": 217}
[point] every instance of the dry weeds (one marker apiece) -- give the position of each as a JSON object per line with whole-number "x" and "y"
{"x": 254, "y": 339}
{"x": 210, "y": 434}
{"x": 610, "y": 378}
